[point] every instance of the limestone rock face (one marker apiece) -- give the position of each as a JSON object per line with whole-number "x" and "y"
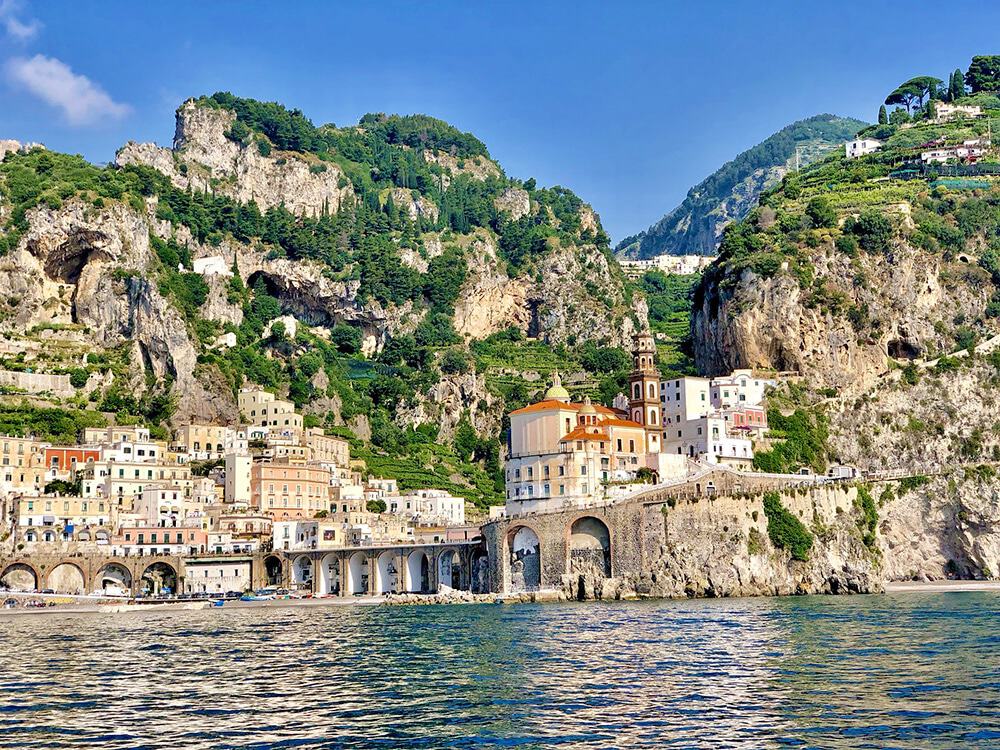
{"x": 573, "y": 299}
{"x": 515, "y": 202}
{"x": 415, "y": 207}
{"x": 774, "y": 323}
{"x": 477, "y": 167}
{"x": 490, "y": 300}
{"x": 214, "y": 162}
{"x": 88, "y": 267}
{"x": 449, "y": 399}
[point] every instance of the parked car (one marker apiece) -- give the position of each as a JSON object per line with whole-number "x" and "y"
{"x": 10, "y": 603}
{"x": 48, "y": 591}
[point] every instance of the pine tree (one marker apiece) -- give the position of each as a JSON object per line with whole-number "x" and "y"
{"x": 883, "y": 118}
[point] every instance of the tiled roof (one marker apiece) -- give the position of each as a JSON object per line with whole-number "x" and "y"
{"x": 553, "y": 405}
{"x": 585, "y": 433}
{"x": 621, "y": 423}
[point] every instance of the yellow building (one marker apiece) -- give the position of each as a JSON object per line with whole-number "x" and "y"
{"x": 23, "y": 464}
{"x": 203, "y": 442}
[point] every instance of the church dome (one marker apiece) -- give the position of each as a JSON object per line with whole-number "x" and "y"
{"x": 587, "y": 408}
{"x": 557, "y": 392}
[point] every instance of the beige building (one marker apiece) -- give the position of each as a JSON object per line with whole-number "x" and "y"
{"x": 262, "y": 409}
{"x": 23, "y": 464}
{"x": 289, "y": 489}
{"x": 327, "y": 449}
{"x": 562, "y": 453}
{"x": 238, "y": 479}
{"x": 204, "y": 442}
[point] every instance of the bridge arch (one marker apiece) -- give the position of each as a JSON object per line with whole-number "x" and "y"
{"x": 523, "y": 550}
{"x": 273, "y": 570}
{"x": 67, "y": 577}
{"x": 357, "y": 573}
{"x": 387, "y": 573}
{"x": 20, "y": 576}
{"x": 302, "y": 571}
{"x": 113, "y": 576}
{"x": 418, "y": 572}
{"x": 589, "y": 547}
{"x": 329, "y": 575}
{"x": 158, "y": 578}
{"x": 450, "y": 572}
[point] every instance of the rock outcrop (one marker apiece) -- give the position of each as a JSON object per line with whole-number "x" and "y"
{"x": 205, "y": 159}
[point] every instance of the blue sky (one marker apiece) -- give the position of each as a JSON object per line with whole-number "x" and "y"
{"x": 628, "y": 104}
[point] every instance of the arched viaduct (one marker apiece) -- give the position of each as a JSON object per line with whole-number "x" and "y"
{"x": 381, "y": 569}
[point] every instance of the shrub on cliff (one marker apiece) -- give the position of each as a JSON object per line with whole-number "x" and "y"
{"x": 784, "y": 529}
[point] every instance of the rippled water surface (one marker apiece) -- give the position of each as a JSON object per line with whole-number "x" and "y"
{"x": 898, "y": 671}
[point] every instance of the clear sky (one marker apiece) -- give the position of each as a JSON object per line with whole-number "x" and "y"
{"x": 627, "y": 103}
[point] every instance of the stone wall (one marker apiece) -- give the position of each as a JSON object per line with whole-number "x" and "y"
{"x": 707, "y": 538}
{"x": 37, "y": 382}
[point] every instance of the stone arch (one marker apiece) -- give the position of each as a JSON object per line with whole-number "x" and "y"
{"x": 329, "y": 575}
{"x": 589, "y": 547}
{"x": 273, "y": 570}
{"x": 20, "y": 576}
{"x": 418, "y": 572}
{"x": 112, "y": 577}
{"x": 48, "y": 535}
{"x": 357, "y": 574}
{"x": 67, "y": 578}
{"x": 450, "y": 571}
{"x": 158, "y": 578}
{"x": 524, "y": 553}
{"x": 386, "y": 573}
{"x": 302, "y": 571}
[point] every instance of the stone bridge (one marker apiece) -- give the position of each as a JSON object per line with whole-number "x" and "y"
{"x": 380, "y": 569}
{"x": 85, "y": 573}
{"x": 570, "y": 549}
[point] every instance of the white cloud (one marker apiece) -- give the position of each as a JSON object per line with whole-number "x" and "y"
{"x": 81, "y": 100}
{"x": 10, "y": 11}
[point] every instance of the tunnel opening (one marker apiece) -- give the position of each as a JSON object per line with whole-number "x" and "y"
{"x": 902, "y": 349}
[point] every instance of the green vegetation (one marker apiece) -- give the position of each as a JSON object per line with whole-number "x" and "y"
{"x": 58, "y": 425}
{"x": 867, "y": 516}
{"x": 908, "y": 484}
{"x": 785, "y": 530}
{"x": 669, "y": 300}
{"x": 801, "y": 442}
{"x": 689, "y": 227}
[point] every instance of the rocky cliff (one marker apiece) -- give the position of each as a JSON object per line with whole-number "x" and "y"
{"x": 390, "y": 244}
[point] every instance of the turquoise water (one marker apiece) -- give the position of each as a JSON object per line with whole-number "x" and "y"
{"x": 896, "y": 671}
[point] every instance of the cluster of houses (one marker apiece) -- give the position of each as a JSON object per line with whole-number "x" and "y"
{"x": 937, "y": 151}
{"x": 213, "y": 490}
{"x": 563, "y": 453}
{"x": 679, "y": 265}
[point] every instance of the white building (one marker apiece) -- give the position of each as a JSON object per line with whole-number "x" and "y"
{"x": 970, "y": 150}
{"x": 215, "y": 576}
{"x": 740, "y": 388}
{"x": 861, "y": 147}
{"x": 945, "y": 111}
{"x": 678, "y": 265}
{"x": 429, "y": 507}
{"x": 238, "y": 488}
{"x": 213, "y": 265}
{"x": 307, "y": 534}
{"x": 708, "y": 439}
{"x": 263, "y": 409}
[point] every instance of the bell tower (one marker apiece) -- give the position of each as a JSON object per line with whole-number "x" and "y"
{"x": 644, "y": 390}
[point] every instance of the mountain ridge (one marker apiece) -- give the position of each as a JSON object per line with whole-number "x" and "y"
{"x": 695, "y": 225}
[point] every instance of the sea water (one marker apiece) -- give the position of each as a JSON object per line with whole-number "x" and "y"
{"x": 895, "y": 671}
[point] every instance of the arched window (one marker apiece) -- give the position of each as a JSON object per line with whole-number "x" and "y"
{"x": 651, "y": 390}
{"x": 637, "y": 391}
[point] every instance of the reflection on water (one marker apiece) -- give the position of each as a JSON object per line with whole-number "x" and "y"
{"x": 904, "y": 671}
